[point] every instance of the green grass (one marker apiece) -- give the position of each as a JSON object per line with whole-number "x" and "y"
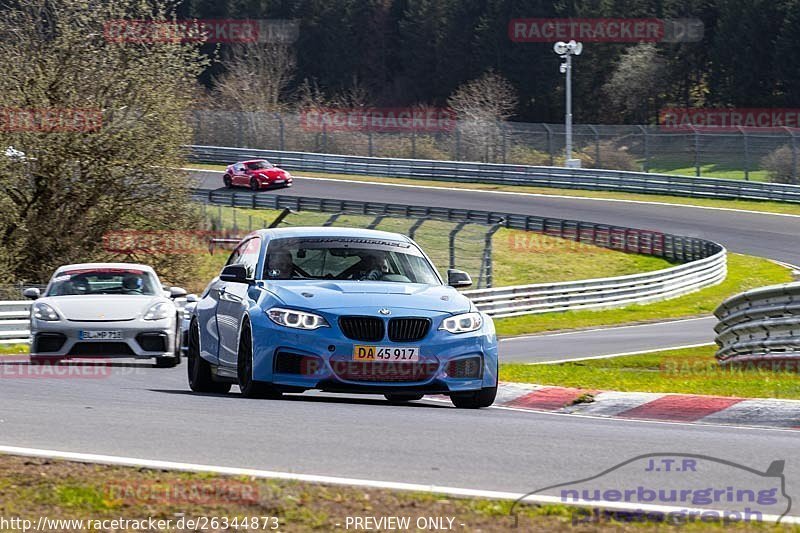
{"x": 744, "y": 272}
{"x": 709, "y": 170}
{"x": 689, "y": 371}
{"x": 748, "y": 205}
{"x": 31, "y": 488}
{"x": 13, "y": 349}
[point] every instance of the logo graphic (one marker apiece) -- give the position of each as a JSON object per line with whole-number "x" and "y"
{"x": 672, "y": 488}
{"x": 385, "y": 311}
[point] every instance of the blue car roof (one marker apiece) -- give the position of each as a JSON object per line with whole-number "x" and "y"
{"x": 311, "y": 231}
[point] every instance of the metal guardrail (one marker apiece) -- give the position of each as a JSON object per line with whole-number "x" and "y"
{"x": 15, "y": 322}
{"x": 551, "y": 177}
{"x": 760, "y": 325}
{"x": 704, "y": 261}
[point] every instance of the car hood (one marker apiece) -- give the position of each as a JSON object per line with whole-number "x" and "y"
{"x": 336, "y": 295}
{"x": 102, "y": 307}
{"x": 271, "y": 173}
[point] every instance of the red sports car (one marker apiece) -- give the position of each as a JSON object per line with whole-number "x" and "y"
{"x": 256, "y": 174}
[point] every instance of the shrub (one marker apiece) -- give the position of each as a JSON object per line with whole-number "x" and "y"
{"x": 779, "y": 165}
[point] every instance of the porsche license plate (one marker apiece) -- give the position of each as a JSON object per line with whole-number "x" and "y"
{"x": 385, "y": 353}
{"x": 104, "y": 335}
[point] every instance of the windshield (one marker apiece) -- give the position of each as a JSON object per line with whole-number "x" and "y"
{"x": 103, "y": 281}
{"x": 348, "y": 259}
{"x": 259, "y": 165}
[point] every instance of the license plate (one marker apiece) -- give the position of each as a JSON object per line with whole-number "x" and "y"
{"x": 100, "y": 335}
{"x": 280, "y": 181}
{"x": 385, "y": 353}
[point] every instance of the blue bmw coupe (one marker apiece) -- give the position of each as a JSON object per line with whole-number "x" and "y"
{"x": 340, "y": 310}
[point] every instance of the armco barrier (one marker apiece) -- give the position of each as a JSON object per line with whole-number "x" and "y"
{"x": 760, "y": 325}
{"x": 552, "y": 177}
{"x": 15, "y": 322}
{"x": 704, "y": 262}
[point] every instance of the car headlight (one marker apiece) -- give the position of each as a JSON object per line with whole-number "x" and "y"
{"x": 42, "y": 311}
{"x": 296, "y": 319}
{"x": 463, "y": 323}
{"x": 158, "y": 311}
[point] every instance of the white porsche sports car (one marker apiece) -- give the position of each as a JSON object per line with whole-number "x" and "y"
{"x": 105, "y": 310}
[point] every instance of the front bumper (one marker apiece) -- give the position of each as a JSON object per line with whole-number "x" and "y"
{"x": 323, "y": 359}
{"x": 138, "y": 338}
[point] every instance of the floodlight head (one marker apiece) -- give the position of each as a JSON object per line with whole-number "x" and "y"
{"x": 563, "y": 68}
{"x": 578, "y": 49}
{"x": 560, "y": 48}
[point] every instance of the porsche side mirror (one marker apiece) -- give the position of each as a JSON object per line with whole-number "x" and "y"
{"x": 177, "y": 292}
{"x": 31, "y": 293}
{"x": 458, "y": 279}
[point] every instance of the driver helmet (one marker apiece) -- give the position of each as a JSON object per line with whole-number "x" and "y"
{"x": 132, "y": 283}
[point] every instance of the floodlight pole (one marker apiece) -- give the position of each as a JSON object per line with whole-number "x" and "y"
{"x": 566, "y": 51}
{"x": 569, "y": 105}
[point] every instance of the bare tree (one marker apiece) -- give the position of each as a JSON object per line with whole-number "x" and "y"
{"x": 105, "y": 129}
{"x": 256, "y": 77}
{"x": 636, "y": 84}
{"x": 482, "y": 105}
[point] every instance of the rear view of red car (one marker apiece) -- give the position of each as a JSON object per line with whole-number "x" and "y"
{"x": 257, "y": 174}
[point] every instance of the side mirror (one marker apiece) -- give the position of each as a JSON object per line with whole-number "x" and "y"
{"x": 192, "y": 298}
{"x": 176, "y": 292}
{"x": 458, "y": 279}
{"x": 235, "y": 274}
{"x": 31, "y": 292}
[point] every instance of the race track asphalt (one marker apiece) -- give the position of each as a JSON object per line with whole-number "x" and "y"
{"x": 135, "y": 410}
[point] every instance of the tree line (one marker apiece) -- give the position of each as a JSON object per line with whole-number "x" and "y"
{"x": 405, "y": 52}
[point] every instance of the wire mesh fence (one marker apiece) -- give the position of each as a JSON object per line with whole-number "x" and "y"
{"x": 448, "y": 244}
{"x": 745, "y": 153}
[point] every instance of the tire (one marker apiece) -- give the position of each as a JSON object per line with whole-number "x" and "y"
{"x": 403, "y": 397}
{"x": 198, "y": 369}
{"x": 249, "y": 387}
{"x": 45, "y": 360}
{"x": 254, "y": 186}
{"x": 167, "y": 362}
{"x": 228, "y": 181}
{"x": 475, "y": 400}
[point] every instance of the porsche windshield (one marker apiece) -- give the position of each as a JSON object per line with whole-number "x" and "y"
{"x": 102, "y": 281}
{"x": 348, "y": 259}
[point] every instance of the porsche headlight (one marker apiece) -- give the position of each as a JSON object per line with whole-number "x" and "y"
{"x": 158, "y": 311}
{"x": 463, "y": 323}
{"x": 42, "y": 311}
{"x": 296, "y": 319}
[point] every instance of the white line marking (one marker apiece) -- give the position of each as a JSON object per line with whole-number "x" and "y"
{"x": 608, "y": 328}
{"x": 538, "y": 195}
{"x": 331, "y": 480}
{"x": 609, "y": 356}
{"x": 642, "y": 420}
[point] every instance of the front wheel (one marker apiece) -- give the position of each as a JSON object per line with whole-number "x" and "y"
{"x": 244, "y": 370}
{"x": 254, "y": 184}
{"x": 227, "y": 181}
{"x": 198, "y": 369}
{"x": 475, "y": 400}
